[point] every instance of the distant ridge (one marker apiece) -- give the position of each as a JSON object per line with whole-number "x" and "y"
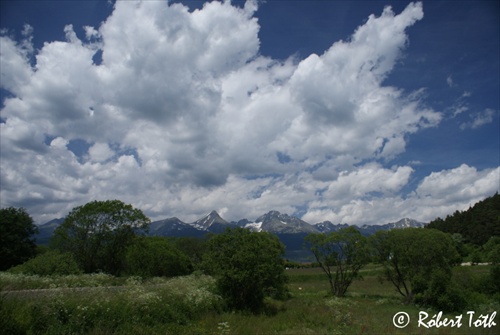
{"x": 211, "y": 222}
{"x": 273, "y": 222}
{"x": 290, "y": 230}
{"x": 46, "y": 230}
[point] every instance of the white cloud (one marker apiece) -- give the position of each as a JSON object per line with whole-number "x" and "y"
{"x": 367, "y": 179}
{"x": 185, "y": 116}
{"x": 351, "y": 197}
{"x": 479, "y": 119}
{"x": 460, "y": 106}
{"x": 461, "y": 183}
{"x": 344, "y": 107}
{"x": 14, "y": 63}
{"x": 100, "y": 152}
{"x": 59, "y": 142}
{"x": 449, "y": 81}
{"x": 438, "y": 195}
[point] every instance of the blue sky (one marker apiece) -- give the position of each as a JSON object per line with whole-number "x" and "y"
{"x": 349, "y": 111}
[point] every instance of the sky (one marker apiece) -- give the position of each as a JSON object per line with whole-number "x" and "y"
{"x": 358, "y": 112}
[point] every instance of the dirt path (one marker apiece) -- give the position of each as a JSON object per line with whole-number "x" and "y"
{"x": 45, "y": 292}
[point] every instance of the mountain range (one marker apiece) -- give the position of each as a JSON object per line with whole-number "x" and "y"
{"x": 273, "y": 222}
{"x": 289, "y": 229}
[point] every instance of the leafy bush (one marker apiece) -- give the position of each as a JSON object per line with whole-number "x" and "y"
{"x": 248, "y": 267}
{"x": 441, "y": 293}
{"x": 156, "y": 257}
{"x": 49, "y": 263}
{"x": 468, "y": 289}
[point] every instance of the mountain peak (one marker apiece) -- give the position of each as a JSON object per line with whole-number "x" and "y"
{"x": 276, "y": 222}
{"x": 214, "y": 214}
{"x": 406, "y": 223}
{"x": 213, "y": 218}
{"x": 273, "y": 215}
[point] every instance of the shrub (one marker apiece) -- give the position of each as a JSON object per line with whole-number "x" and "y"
{"x": 441, "y": 293}
{"x": 49, "y": 263}
{"x": 156, "y": 257}
{"x": 248, "y": 267}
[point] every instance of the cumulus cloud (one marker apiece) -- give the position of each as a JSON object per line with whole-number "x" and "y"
{"x": 368, "y": 179}
{"x": 16, "y": 71}
{"x": 442, "y": 193}
{"x": 100, "y": 152}
{"x": 351, "y": 196}
{"x": 183, "y": 115}
{"x": 344, "y": 106}
{"x": 437, "y": 195}
{"x": 461, "y": 183}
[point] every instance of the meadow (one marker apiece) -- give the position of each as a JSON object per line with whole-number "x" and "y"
{"x": 103, "y": 304}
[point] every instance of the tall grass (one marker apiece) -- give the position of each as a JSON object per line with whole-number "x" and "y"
{"x": 18, "y": 281}
{"x": 137, "y": 308}
{"x": 188, "y": 305}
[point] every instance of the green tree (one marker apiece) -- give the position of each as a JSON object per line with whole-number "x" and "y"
{"x": 476, "y": 256}
{"x": 248, "y": 267}
{"x": 492, "y": 250}
{"x": 341, "y": 255}
{"x": 477, "y": 224}
{"x": 17, "y": 244}
{"x": 193, "y": 247}
{"x": 98, "y": 234}
{"x": 416, "y": 261}
{"x": 458, "y": 242}
{"x": 156, "y": 257}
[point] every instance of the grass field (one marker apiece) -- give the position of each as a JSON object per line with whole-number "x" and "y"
{"x": 187, "y": 305}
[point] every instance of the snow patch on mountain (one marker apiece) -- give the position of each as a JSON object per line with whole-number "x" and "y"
{"x": 254, "y": 226}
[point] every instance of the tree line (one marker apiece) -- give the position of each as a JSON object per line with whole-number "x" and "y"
{"x": 111, "y": 236}
{"x": 476, "y": 231}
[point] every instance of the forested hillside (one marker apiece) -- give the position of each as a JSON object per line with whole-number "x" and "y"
{"x": 476, "y": 225}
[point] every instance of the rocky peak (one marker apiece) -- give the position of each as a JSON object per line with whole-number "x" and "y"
{"x": 276, "y": 222}
{"x": 207, "y": 221}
